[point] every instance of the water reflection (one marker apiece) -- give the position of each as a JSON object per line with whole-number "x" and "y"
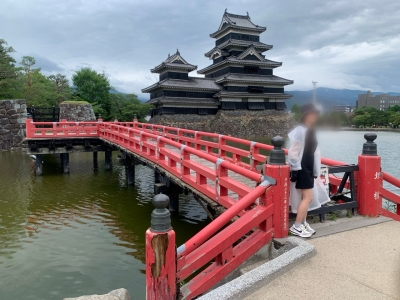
{"x": 81, "y": 233}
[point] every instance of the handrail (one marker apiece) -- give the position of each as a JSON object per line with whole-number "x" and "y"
{"x": 391, "y": 179}
{"x": 224, "y": 218}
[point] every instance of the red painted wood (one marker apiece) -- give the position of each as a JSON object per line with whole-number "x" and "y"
{"x": 221, "y": 241}
{"x": 391, "y": 179}
{"x": 214, "y": 273}
{"x": 223, "y": 219}
{"x": 389, "y": 214}
{"x": 280, "y": 198}
{"x": 389, "y": 195}
{"x": 160, "y": 266}
{"x": 369, "y": 185}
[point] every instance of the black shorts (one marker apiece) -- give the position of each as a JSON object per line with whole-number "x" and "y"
{"x": 305, "y": 180}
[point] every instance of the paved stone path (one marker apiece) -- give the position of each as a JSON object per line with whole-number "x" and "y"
{"x": 359, "y": 264}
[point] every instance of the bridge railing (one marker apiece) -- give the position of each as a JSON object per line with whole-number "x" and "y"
{"x": 201, "y": 170}
{"x": 243, "y": 153}
{"x": 61, "y": 129}
{"x": 214, "y": 254}
{"x": 390, "y": 196}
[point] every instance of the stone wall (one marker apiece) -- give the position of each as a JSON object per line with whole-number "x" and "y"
{"x": 76, "y": 111}
{"x": 12, "y": 123}
{"x": 239, "y": 123}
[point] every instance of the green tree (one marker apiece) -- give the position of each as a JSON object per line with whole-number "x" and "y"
{"x": 37, "y": 89}
{"x": 9, "y": 83}
{"x": 27, "y": 62}
{"x": 360, "y": 120}
{"x": 61, "y": 87}
{"x": 394, "y": 108}
{"x": 296, "y": 110}
{"x": 94, "y": 88}
{"x": 125, "y": 107}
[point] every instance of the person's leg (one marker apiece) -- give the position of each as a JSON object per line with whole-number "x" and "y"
{"x": 302, "y": 210}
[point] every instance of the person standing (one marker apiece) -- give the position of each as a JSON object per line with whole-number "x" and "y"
{"x": 306, "y": 188}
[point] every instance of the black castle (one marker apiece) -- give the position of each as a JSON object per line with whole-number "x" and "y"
{"x": 240, "y": 76}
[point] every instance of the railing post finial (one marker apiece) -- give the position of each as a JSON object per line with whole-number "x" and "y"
{"x": 99, "y": 119}
{"x": 134, "y": 118}
{"x": 277, "y": 154}
{"x": 370, "y": 147}
{"x": 160, "y": 217}
{"x": 369, "y": 179}
{"x": 161, "y": 253}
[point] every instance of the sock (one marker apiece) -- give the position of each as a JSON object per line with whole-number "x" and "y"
{"x": 297, "y": 225}
{"x": 303, "y": 221}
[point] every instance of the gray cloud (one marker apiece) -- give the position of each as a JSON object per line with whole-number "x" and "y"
{"x": 340, "y": 44}
{"x": 45, "y": 64}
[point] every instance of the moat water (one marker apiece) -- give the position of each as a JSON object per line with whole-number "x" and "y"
{"x": 83, "y": 233}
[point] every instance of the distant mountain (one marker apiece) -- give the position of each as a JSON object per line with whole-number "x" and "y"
{"x": 329, "y": 97}
{"x": 116, "y": 92}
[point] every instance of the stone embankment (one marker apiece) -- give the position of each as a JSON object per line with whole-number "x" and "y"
{"x": 12, "y": 123}
{"x": 76, "y": 111}
{"x": 239, "y": 123}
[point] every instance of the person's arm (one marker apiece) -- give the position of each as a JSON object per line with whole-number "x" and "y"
{"x": 317, "y": 162}
{"x": 294, "y": 158}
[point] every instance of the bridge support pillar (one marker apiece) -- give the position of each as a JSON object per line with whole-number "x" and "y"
{"x": 39, "y": 164}
{"x": 130, "y": 170}
{"x": 65, "y": 162}
{"x": 172, "y": 190}
{"x": 108, "y": 159}
{"x": 160, "y": 253}
{"x": 174, "y": 202}
{"x": 157, "y": 176}
{"x": 278, "y": 169}
{"x": 369, "y": 178}
{"x": 95, "y": 162}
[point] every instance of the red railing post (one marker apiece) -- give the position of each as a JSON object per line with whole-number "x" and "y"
{"x": 369, "y": 178}
{"x": 279, "y": 170}
{"x": 29, "y": 127}
{"x": 160, "y": 253}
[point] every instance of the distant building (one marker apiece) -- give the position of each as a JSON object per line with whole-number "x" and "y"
{"x": 343, "y": 108}
{"x": 381, "y": 102}
{"x": 240, "y": 77}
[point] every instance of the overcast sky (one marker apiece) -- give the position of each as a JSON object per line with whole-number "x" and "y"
{"x": 341, "y": 44}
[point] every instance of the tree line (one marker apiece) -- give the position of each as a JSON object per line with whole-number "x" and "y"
{"x": 360, "y": 117}
{"x": 23, "y": 81}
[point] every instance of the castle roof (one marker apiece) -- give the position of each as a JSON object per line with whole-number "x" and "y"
{"x": 180, "y": 100}
{"x": 237, "y": 22}
{"x": 174, "y": 62}
{"x": 193, "y": 83}
{"x": 232, "y": 42}
{"x": 235, "y": 60}
{"x": 249, "y": 78}
{"x": 226, "y": 94}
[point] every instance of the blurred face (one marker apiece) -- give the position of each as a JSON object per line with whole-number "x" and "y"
{"x": 311, "y": 119}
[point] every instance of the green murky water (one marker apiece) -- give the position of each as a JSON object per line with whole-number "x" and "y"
{"x": 76, "y": 234}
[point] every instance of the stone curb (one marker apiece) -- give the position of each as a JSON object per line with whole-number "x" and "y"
{"x": 264, "y": 274}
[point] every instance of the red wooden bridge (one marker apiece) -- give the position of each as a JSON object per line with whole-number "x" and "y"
{"x": 221, "y": 170}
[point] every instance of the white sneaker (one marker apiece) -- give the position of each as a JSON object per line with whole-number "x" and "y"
{"x": 308, "y": 228}
{"x": 300, "y": 231}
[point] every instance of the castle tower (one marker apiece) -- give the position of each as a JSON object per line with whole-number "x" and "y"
{"x": 240, "y": 68}
{"x": 178, "y": 93}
